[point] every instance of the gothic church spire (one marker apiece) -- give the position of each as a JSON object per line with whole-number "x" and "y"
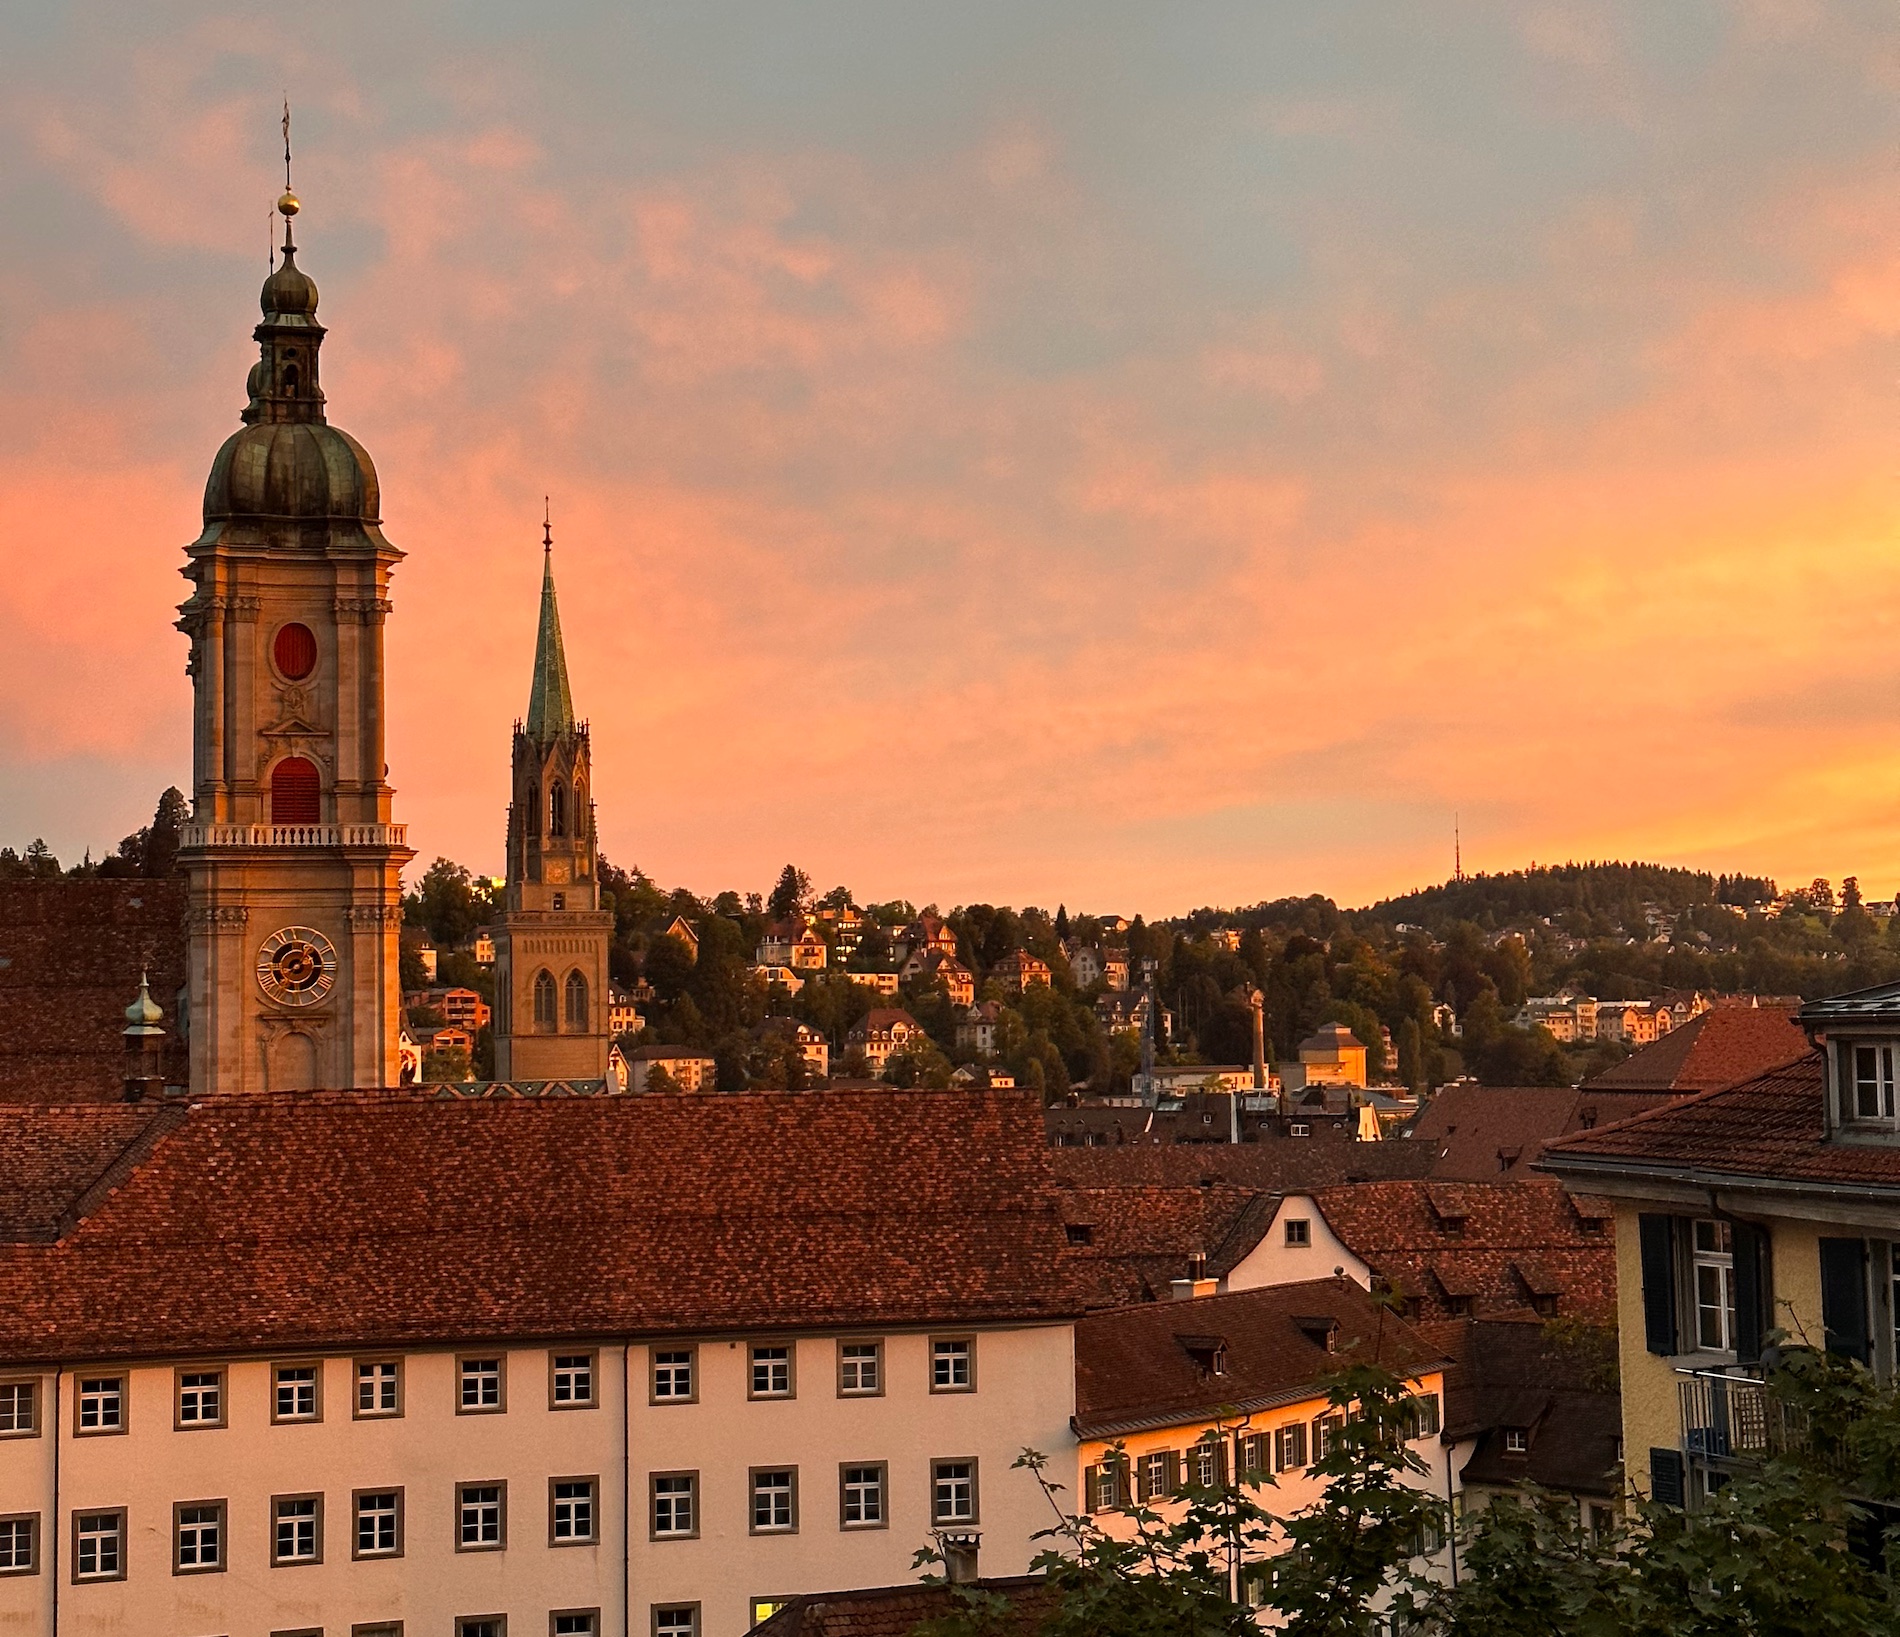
{"x": 550, "y": 703}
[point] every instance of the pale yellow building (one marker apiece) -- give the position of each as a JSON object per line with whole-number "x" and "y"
{"x": 1331, "y": 1056}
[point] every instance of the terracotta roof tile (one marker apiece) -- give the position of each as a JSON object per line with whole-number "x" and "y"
{"x": 1719, "y": 1048}
{"x": 1495, "y": 1133}
{"x": 897, "y": 1611}
{"x": 1133, "y": 1366}
{"x": 332, "y": 1219}
{"x": 1140, "y": 1239}
{"x": 1282, "y": 1165}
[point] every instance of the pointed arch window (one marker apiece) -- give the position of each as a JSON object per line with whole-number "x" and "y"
{"x": 545, "y": 1017}
{"x": 557, "y": 809}
{"x": 296, "y": 792}
{"x": 576, "y": 1002}
{"x": 531, "y": 813}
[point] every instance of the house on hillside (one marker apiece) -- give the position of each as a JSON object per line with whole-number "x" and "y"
{"x": 689, "y": 1068}
{"x": 883, "y": 1032}
{"x": 1021, "y": 971}
{"x": 976, "y": 1029}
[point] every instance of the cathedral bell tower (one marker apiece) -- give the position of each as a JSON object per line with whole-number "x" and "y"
{"x": 551, "y": 943}
{"x": 294, "y": 868}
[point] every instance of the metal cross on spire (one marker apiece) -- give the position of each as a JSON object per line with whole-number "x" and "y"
{"x": 286, "y": 142}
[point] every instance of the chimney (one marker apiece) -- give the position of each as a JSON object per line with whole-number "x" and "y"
{"x": 1258, "y": 1002}
{"x": 144, "y": 1037}
{"x": 959, "y": 1554}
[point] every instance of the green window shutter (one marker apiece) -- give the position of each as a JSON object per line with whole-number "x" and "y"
{"x": 1658, "y": 1245}
{"x": 1754, "y": 1296}
{"x": 1091, "y": 1489}
{"x": 1844, "y": 1298}
{"x": 1666, "y": 1477}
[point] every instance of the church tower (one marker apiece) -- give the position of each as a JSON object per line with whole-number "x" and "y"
{"x": 551, "y": 943}
{"x": 294, "y": 868}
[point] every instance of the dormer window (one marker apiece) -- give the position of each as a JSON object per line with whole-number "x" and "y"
{"x": 1208, "y": 1352}
{"x": 1870, "y": 1095}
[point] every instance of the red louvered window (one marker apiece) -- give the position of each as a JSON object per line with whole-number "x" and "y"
{"x": 295, "y": 651}
{"x": 296, "y": 794}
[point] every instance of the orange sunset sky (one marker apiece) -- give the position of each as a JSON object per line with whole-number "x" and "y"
{"x": 1130, "y": 455}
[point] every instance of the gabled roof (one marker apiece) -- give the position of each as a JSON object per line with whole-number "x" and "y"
{"x": 351, "y": 1219}
{"x": 882, "y": 1019}
{"x": 1718, "y": 1048}
{"x": 897, "y": 1611}
{"x": 1133, "y": 1371}
{"x": 1879, "y": 1004}
{"x": 1141, "y": 1239}
{"x": 1496, "y": 1133}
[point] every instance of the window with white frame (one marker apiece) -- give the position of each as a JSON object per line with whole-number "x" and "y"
{"x": 1207, "y": 1462}
{"x": 861, "y": 1498}
{"x": 1299, "y": 1128}
{"x": 952, "y": 1365}
{"x": 480, "y": 1384}
{"x": 294, "y": 1392}
{"x": 1873, "y": 1072}
{"x": 1289, "y": 1447}
{"x": 774, "y": 1496}
{"x": 20, "y": 1543}
{"x": 1517, "y": 1440}
{"x": 952, "y": 1492}
{"x": 200, "y": 1398}
{"x": 860, "y": 1368}
{"x": 478, "y": 1516}
{"x": 102, "y": 1404}
{"x": 676, "y": 1620}
{"x": 378, "y": 1387}
{"x": 573, "y": 1381}
{"x": 575, "y": 1623}
{"x": 19, "y": 1408}
{"x": 771, "y": 1372}
{"x": 673, "y": 1375}
{"x": 1712, "y": 1270}
{"x": 98, "y": 1545}
{"x": 1157, "y": 1474}
{"x": 198, "y": 1536}
{"x": 379, "y": 1523}
{"x": 296, "y": 1529}
{"x": 675, "y": 1505}
{"x": 571, "y": 1511}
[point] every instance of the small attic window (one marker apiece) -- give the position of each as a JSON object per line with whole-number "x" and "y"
{"x": 1081, "y": 1233}
{"x": 1322, "y": 1330}
{"x": 1517, "y": 1440}
{"x": 1208, "y": 1352}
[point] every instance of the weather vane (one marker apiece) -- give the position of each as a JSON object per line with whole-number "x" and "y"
{"x": 286, "y": 142}
{"x": 547, "y": 523}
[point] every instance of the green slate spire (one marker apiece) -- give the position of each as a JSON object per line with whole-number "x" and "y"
{"x": 550, "y": 704}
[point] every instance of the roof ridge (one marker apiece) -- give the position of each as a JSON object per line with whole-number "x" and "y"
{"x": 1577, "y": 1141}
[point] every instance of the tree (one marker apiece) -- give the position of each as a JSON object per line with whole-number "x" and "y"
{"x": 659, "y": 1079}
{"x": 451, "y": 903}
{"x": 790, "y": 895}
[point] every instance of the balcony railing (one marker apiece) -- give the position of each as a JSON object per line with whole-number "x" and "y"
{"x": 295, "y": 835}
{"x": 1732, "y": 1418}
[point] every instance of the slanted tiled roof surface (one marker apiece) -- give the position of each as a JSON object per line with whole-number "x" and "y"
{"x": 1131, "y": 1367}
{"x": 1496, "y": 1133}
{"x": 1142, "y": 1237}
{"x": 1772, "y": 1127}
{"x": 1558, "y": 1385}
{"x": 1402, "y": 1230}
{"x": 51, "y": 1156}
{"x": 1719, "y": 1048}
{"x": 1277, "y": 1165}
{"x": 897, "y": 1611}
{"x": 341, "y": 1219}
{"x": 70, "y": 957}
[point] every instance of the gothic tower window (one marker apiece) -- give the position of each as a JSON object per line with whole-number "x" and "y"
{"x": 531, "y": 813}
{"x": 557, "y": 809}
{"x": 576, "y": 1002}
{"x": 296, "y": 792}
{"x": 544, "y": 1015}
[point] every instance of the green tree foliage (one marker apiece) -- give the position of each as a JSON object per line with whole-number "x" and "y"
{"x": 449, "y": 903}
{"x": 791, "y": 894}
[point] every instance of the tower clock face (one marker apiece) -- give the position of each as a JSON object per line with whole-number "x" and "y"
{"x": 297, "y": 966}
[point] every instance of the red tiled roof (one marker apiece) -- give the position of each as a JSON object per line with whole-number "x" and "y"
{"x": 51, "y": 1157}
{"x": 1141, "y": 1238}
{"x": 1718, "y": 1048}
{"x": 70, "y": 957}
{"x": 897, "y": 1611}
{"x": 1132, "y": 1368}
{"x": 1494, "y": 1133}
{"x": 339, "y": 1219}
{"x": 1402, "y": 1231}
{"x": 1771, "y": 1128}
{"x": 1278, "y": 1165}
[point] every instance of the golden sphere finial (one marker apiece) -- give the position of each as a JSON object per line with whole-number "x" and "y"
{"x": 290, "y": 204}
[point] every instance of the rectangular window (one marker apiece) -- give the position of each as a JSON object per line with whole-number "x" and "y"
{"x": 1253, "y": 1456}
{"x": 676, "y": 1620}
{"x": 101, "y": 1404}
{"x": 571, "y": 1381}
{"x": 481, "y": 1385}
{"x": 200, "y": 1399}
{"x": 1713, "y": 1274}
{"x": 1516, "y": 1440}
{"x": 99, "y": 1545}
{"x": 19, "y": 1409}
{"x": 1289, "y": 1447}
{"x": 481, "y": 1517}
{"x": 481, "y": 1625}
{"x": 1873, "y": 1082}
{"x": 1156, "y": 1469}
{"x": 953, "y": 1365}
{"x": 1299, "y": 1230}
{"x": 774, "y": 1500}
{"x": 860, "y": 1369}
{"x": 771, "y": 1372}
{"x": 572, "y": 1511}
{"x": 20, "y": 1543}
{"x": 197, "y": 1537}
{"x": 673, "y": 1375}
{"x": 1424, "y": 1416}
{"x": 296, "y": 1529}
{"x": 953, "y": 1491}
{"x": 574, "y": 1623}
{"x": 1326, "y": 1431}
{"x": 1205, "y": 1465}
{"x": 378, "y": 1523}
{"x": 861, "y": 1496}
{"x": 294, "y": 1395}
{"x": 675, "y": 1505}
{"x": 1299, "y": 1128}
{"x": 378, "y": 1387}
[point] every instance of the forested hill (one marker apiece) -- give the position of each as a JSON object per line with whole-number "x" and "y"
{"x": 1624, "y": 894}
